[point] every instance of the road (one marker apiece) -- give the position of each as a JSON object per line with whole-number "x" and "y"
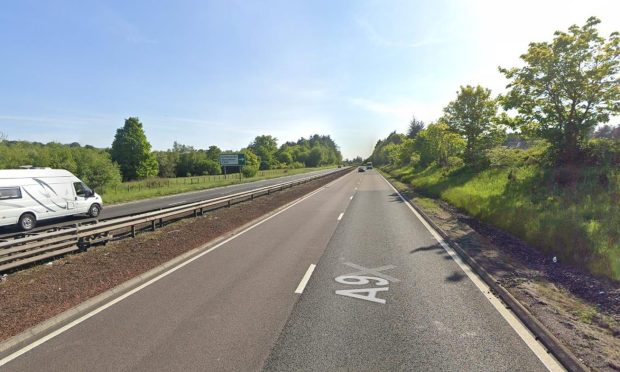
{"x": 140, "y": 206}
{"x": 146, "y": 205}
{"x": 383, "y": 296}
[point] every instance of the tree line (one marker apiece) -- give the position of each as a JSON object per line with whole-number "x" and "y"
{"x": 552, "y": 106}
{"x": 130, "y": 157}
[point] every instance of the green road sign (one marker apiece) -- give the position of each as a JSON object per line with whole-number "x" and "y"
{"x": 232, "y": 160}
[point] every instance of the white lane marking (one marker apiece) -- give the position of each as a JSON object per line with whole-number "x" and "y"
{"x": 528, "y": 337}
{"x": 351, "y": 197}
{"x": 305, "y": 279}
{"x": 178, "y": 203}
{"x": 340, "y": 217}
{"x": 96, "y": 311}
{"x": 356, "y": 189}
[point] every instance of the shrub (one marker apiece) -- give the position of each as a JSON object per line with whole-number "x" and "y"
{"x": 603, "y": 151}
{"x": 249, "y": 171}
{"x": 503, "y": 157}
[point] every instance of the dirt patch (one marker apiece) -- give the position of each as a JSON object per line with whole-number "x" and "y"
{"x": 34, "y": 295}
{"x": 581, "y": 310}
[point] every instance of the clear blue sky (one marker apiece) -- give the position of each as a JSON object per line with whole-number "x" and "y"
{"x": 204, "y": 73}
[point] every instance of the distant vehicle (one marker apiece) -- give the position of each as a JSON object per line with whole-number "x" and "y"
{"x": 369, "y": 165}
{"x": 31, "y": 195}
{"x": 361, "y": 169}
{"x": 339, "y": 166}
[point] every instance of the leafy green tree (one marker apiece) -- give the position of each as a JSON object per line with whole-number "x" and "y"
{"x": 415, "y": 127}
{"x": 607, "y": 131}
{"x": 438, "y": 143}
{"x": 92, "y": 165}
{"x": 97, "y": 169}
{"x": 265, "y": 148}
{"x": 285, "y": 155}
{"x": 132, "y": 151}
{"x": 473, "y": 116}
{"x": 213, "y": 154}
{"x": 252, "y": 162}
{"x": 566, "y": 87}
{"x": 168, "y": 162}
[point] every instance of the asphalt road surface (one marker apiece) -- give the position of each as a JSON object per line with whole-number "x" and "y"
{"x": 141, "y": 206}
{"x": 383, "y": 296}
{"x": 146, "y": 205}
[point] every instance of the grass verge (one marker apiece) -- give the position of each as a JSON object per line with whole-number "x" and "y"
{"x": 571, "y": 213}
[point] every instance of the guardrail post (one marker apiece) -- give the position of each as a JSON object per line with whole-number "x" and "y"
{"x": 133, "y": 231}
{"x": 252, "y": 197}
{"x": 229, "y": 203}
{"x": 195, "y": 213}
{"x": 161, "y": 222}
{"x": 201, "y": 211}
{"x": 153, "y": 225}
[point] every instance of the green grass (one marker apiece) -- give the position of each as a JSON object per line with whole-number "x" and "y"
{"x": 578, "y": 221}
{"x": 150, "y": 188}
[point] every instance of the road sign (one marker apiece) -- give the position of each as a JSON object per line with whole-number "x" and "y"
{"x": 232, "y": 160}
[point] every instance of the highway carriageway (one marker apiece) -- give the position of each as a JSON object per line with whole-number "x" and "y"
{"x": 346, "y": 278}
{"x": 20, "y": 250}
{"x": 153, "y": 204}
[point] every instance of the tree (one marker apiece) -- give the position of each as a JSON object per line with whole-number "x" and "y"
{"x": 252, "y": 163}
{"x": 415, "y": 126}
{"x": 265, "y": 148}
{"x": 607, "y": 131}
{"x": 213, "y": 153}
{"x": 438, "y": 143}
{"x": 472, "y": 115}
{"x": 566, "y": 87}
{"x": 132, "y": 151}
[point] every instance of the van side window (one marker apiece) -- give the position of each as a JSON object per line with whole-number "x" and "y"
{"x": 10, "y": 193}
{"x": 79, "y": 189}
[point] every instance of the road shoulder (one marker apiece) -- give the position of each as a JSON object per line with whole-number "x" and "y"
{"x": 588, "y": 326}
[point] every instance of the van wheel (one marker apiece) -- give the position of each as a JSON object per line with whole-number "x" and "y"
{"x": 94, "y": 210}
{"x": 27, "y": 221}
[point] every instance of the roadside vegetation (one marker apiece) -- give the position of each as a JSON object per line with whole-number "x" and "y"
{"x": 130, "y": 170}
{"x": 539, "y": 160}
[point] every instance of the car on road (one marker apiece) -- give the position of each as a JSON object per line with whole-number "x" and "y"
{"x": 361, "y": 169}
{"x": 368, "y": 165}
{"x": 35, "y": 194}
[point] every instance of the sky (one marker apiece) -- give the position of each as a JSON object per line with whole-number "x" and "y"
{"x": 222, "y": 72}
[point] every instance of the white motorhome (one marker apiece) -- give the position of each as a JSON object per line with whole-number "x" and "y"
{"x": 31, "y": 195}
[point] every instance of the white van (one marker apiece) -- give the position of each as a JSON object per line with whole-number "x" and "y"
{"x": 31, "y": 195}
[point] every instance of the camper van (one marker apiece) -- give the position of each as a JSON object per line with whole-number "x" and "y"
{"x": 36, "y": 194}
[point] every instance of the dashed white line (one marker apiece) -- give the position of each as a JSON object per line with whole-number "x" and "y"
{"x": 351, "y": 197}
{"x": 103, "y": 307}
{"x": 340, "y": 217}
{"x": 305, "y": 279}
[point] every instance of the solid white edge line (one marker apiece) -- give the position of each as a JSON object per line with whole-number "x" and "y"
{"x": 526, "y": 335}
{"x": 340, "y": 216}
{"x": 305, "y": 279}
{"x": 101, "y": 308}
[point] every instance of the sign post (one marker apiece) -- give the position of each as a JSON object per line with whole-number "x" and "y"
{"x": 232, "y": 160}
